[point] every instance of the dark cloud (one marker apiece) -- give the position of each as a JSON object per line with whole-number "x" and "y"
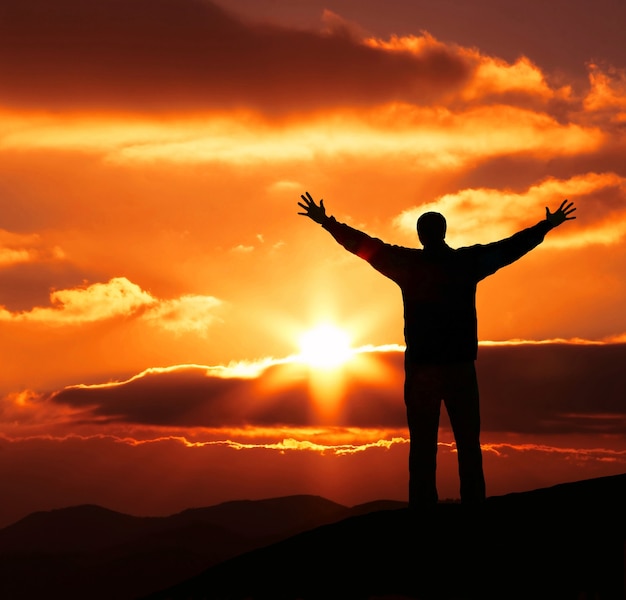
{"x": 561, "y": 35}
{"x": 197, "y": 396}
{"x": 561, "y": 31}
{"x": 547, "y": 388}
{"x": 173, "y": 54}
{"x": 554, "y": 388}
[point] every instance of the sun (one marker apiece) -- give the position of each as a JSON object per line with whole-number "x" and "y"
{"x": 325, "y": 346}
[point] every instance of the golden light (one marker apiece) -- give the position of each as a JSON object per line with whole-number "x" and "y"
{"x": 325, "y": 347}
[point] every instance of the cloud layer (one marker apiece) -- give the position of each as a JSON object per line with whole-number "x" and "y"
{"x": 119, "y": 297}
{"x": 167, "y": 54}
{"x": 551, "y": 388}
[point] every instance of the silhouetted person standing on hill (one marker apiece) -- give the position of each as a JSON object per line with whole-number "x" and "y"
{"x": 438, "y": 286}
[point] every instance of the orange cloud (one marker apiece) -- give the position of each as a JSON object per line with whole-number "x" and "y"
{"x": 600, "y": 198}
{"x": 580, "y": 454}
{"x": 310, "y": 440}
{"x": 490, "y": 76}
{"x": 495, "y": 108}
{"x": 495, "y": 77}
{"x": 94, "y": 302}
{"x": 482, "y": 105}
{"x": 28, "y": 410}
{"x": 189, "y": 313}
{"x": 581, "y": 341}
{"x": 291, "y": 444}
{"x": 607, "y": 93}
{"x": 438, "y": 137}
{"x": 10, "y": 256}
{"x": 18, "y": 248}
{"x": 120, "y": 297}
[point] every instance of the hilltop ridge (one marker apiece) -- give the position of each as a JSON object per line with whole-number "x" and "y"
{"x": 552, "y": 543}
{"x": 563, "y": 542}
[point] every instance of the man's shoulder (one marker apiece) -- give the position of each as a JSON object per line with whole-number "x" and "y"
{"x": 398, "y": 259}
{"x": 406, "y": 252}
{"x": 471, "y": 251}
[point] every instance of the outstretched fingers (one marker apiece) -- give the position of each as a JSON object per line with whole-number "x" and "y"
{"x": 306, "y": 204}
{"x": 307, "y": 198}
{"x": 307, "y": 201}
{"x": 567, "y": 209}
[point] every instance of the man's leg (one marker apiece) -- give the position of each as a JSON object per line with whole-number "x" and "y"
{"x": 422, "y": 396}
{"x": 462, "y": 403}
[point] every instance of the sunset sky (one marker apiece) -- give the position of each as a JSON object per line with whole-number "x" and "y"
{"x": 156, "y": 280}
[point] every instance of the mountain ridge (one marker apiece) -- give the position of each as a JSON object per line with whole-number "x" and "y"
{"x": 566, "y": 542}
{"x": 307, "y": 547}
{"x": 68, "y": 549}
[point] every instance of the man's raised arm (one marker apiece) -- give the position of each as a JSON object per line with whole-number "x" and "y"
{"x": 353, "y": 240}
{"x": 504, "y": 252}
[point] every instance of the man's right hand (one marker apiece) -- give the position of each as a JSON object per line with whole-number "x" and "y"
{"x": 312, "y": 210}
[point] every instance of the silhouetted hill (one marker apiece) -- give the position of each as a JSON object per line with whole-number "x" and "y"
{"x": 273, "y": 517}
{"x": 563, "y": 542}
{"x": 90, "y": 552}
{"x": 553, "y": 543}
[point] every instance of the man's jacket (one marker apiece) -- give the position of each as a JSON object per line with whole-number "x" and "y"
{"x": 438, "y": 286}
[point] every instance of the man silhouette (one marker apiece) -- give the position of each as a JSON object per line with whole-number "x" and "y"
{"x": 438, "y": 285}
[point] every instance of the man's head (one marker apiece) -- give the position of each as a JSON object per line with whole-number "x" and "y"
{"x": 431, "y": 228}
